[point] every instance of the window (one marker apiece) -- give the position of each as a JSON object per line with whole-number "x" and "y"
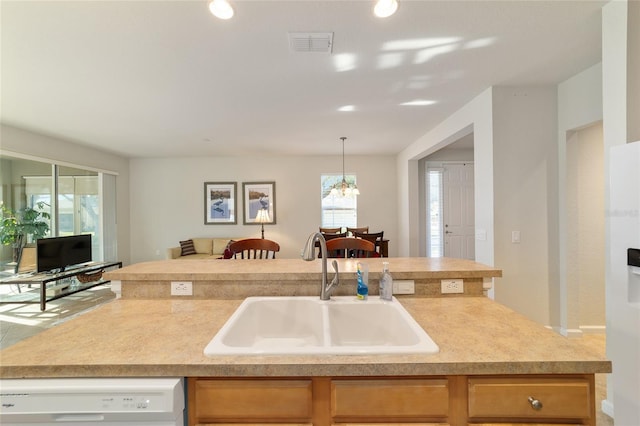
{"x": 435, "y": 242}
{"x": 338, "y": 211}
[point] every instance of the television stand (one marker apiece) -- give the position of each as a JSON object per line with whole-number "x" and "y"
{"x": 60, "y": 284}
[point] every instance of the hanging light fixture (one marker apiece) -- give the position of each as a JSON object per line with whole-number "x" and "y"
{"x": 221, "y": 9}
{"x": 385, "y": 8}
{"x": 343, "y": 188}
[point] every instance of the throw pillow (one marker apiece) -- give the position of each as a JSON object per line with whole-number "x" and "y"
{"x": 187, "y": 248}
{"x": 228, "y": 254}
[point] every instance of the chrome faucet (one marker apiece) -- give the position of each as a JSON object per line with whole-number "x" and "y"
{"x": 308, "y": 253}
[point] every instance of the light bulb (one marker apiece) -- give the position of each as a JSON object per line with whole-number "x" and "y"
{"x": 221, "y": 9}
{"x": 385, "y": 8}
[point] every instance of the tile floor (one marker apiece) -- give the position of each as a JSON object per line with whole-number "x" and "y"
{"x": 20, "y": 321}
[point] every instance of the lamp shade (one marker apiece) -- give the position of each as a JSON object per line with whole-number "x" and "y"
{"x": 263, "y": 216}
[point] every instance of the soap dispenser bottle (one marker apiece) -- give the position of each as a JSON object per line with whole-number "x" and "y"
{"x": 362, "y": 291}
{"x": 386, "y": 283}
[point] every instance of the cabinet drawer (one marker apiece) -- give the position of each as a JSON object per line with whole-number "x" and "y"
{"x": 516, "y": 397}
{"x": 252, "y": 399}
{"x": 390, "y": 398}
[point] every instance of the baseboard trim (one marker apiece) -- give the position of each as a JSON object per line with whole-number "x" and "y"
{"x": 594, "y": 329}
{"x": 607, "y": 407}
{"x": 578, "y": 332}
{"x": 570, "y": 332}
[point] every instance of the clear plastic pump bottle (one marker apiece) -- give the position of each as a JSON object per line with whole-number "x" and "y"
{"x": 386, "y": 283}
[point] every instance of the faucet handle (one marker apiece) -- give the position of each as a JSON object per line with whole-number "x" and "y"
{"x": 336, "y": 277}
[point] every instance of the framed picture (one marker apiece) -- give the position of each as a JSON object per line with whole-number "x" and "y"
{"x": 259, "y": 196}
{"x": 220, "y": 203}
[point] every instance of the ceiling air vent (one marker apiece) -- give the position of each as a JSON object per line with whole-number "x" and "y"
{"x": 311, "y": 42}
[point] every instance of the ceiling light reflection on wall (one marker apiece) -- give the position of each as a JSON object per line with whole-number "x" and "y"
{"x": 419, "y": 43}
{"x": 390, "y": 60}
{"x": 221, "y": 9}
{"x": 344, "y": 62}
{"x": 426, "y": 55}
{"x": 418, "y": 102}
{"x": 480, "y": 42}
{"x": 347, "y": 108}
{"x": 385, "y": 8}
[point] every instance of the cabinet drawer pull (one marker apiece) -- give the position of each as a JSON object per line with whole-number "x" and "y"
{"x": 535, "y": 403}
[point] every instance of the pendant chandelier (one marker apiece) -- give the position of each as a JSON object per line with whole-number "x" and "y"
{"x": 343, "y": 188}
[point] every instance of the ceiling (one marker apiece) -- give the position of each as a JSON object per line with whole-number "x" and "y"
{"x": 167, "y": 78}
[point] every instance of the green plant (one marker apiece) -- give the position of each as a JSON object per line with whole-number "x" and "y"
{"x": 15, "y": 226}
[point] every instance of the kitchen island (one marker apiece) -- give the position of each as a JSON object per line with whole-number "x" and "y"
{"x": 488, "y": 353}
{"x": 233, "y": 279}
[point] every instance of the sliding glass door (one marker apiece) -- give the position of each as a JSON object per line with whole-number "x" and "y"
{"x": 76, "y": 209}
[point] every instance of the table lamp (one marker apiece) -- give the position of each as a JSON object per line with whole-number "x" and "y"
{"x": 263, "y": 217}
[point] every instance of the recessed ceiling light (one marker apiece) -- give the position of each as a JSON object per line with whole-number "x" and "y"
{"x": 347, "y": 108}
{"x": 385, "y": 8}
{"x": 221, "y": 9}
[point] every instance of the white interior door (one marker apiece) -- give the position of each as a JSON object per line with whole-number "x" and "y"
{"x": 458, "y": 211}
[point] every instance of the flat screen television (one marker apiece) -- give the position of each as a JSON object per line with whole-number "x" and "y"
{"x": 58, "y": 253}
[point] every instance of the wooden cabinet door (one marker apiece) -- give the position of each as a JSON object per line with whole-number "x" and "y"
{"x": 252, "y": 400}
{"x": 389, "y": 398}
{"x": 530, "y": 398}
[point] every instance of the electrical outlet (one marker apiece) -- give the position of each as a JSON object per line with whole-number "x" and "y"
{"x": 451, "y": 286}
{"x": 404, "y": 287}
{"x": 181, "y": 288}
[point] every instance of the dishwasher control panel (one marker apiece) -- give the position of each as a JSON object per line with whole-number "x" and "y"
{"x": 91, "y": 400}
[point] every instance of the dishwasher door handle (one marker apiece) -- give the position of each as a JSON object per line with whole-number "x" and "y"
{"x": 80, "y": 417}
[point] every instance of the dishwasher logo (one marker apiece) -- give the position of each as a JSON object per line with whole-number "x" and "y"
{"x": 11, "y": 395}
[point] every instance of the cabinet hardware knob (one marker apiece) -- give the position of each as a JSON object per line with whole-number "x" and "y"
{"x": 535, "y": 403}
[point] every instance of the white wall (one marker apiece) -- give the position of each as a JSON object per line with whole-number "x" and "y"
{"x": 586, "y": 229}
{"x": 579, "y": 106}
{"x": 476, "y": 117}
{"x": 515, "y": 189}
{"x": 67, "y": 153}
{"x": 525, "y": 181}
{"x": 167, "y": 198}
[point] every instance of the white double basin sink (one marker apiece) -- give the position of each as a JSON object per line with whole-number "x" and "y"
{"x": 300, "y": 325}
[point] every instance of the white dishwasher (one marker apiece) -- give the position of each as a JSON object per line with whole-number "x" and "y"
{"x": 89, "y": 401}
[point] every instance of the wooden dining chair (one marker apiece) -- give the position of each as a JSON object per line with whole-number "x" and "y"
{"x": 361, "y": 230}
{"x": 350, "y": 247}
{"x": 328, "y": 237}
{"x": 254, "y": 248}
{"x": 374, "y": 237}
{"x": 330, "y": 230}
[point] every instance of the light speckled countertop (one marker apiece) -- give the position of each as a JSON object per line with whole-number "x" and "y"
{"x": 296, "y": 269}
{"x": 167, "y": 337}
